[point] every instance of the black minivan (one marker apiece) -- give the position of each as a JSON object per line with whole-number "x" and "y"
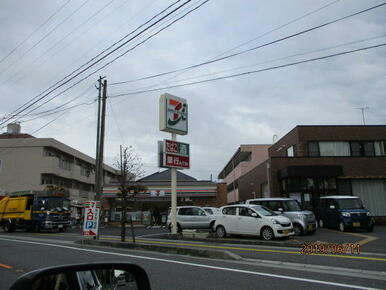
{"x": 344, "y": 212}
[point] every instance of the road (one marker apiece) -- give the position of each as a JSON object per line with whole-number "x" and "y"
{"x": 261, "y": 267}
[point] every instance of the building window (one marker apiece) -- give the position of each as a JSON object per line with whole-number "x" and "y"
{"x": 313, "y": 149}
{"x": 64, "y": 164}
{"x": 367, "y": 148}
{"x": 290, "y": 151}
{"x": 327, "y": 148}
{"x": 85, "y": 171}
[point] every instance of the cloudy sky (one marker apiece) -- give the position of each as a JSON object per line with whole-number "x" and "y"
{"x": 41, "y": 42}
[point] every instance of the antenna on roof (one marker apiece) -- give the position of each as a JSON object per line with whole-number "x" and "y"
{"x": 363, "y": 113}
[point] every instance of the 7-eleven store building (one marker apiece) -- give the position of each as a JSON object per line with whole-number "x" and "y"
{"x": 152, "y": 206}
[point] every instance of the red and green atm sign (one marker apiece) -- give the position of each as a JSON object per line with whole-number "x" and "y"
{"x": 174, "y": 147}
{"x": 174, "y": 154}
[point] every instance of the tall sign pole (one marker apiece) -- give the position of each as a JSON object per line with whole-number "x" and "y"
{"x": 173, "y": 174}
{"x": 174, "y": 119}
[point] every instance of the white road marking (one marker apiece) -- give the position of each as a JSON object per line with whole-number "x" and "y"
{"x": 195, "y": 265}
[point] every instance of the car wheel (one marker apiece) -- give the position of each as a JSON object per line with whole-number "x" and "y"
{"x": 8, "y": 227}
{"x": 342, "y": 227}
{"x": 298, "y": 229}
{"x": 220, "y": 232}
{"x": 321, "y": 223}
{"x": 267, "y": 234}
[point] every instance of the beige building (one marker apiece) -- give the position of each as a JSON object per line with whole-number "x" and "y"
{"x": 243, "y": 160}
{"x": 29, "y": 163}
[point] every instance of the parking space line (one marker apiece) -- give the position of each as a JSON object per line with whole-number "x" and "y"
{"x": 368, "y": 239}
{"x": 6, "y": 266}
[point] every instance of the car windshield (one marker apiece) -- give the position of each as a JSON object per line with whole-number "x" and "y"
{"x": 57, "y": 204}
{"x": 263, "y": 210}
{"x": 291, "y": 205}
{"x": 349, "y": 203}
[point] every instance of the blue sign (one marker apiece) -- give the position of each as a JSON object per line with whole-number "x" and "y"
{"x": 89, "y": 225}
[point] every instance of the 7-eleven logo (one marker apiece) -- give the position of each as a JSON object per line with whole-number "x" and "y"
{"x": 177, "y": 112}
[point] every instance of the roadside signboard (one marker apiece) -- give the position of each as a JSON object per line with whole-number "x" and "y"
{"x": 173, "y": 114}
{"x": 91, "y": 218}
{"x": 174, "y": 154}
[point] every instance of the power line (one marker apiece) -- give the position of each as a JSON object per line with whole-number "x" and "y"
{"x": 63, "y": 38}
{"x": 33, "y": 32}
{"x": 255, "y": 38}
{"x": 268, "y": 61}
{"x": 45, "y": 36}
{"x": 253, "y": 48}
{"x": 62, "y": 82}
{"x": 252, "y": 72}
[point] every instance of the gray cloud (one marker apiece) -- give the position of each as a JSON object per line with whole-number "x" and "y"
{"x": 223, "y": 114}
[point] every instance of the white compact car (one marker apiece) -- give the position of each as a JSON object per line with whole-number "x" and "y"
{"x": 252, "y": 220}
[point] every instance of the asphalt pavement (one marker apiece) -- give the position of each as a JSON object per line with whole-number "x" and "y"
{"x": 23, "y": 254}
{"x": 257, "y": 266}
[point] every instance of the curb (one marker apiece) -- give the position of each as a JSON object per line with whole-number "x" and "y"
{"x": 206, "y": 253}
{"x": 293, "y": 244}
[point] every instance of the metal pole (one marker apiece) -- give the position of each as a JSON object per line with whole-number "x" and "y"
{"x": 174, "y": 194}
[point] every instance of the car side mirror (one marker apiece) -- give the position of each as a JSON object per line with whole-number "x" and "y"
{"x": 84, "y": 276}
{"x": 332, "y": 206}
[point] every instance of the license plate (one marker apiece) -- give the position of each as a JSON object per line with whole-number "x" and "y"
{"x": 356, "y": 224}
{"x": 286, "y": 232}
{"x": 60, "y": 226}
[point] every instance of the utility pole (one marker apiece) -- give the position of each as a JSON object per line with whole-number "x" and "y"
{"x": 99, "y": 177}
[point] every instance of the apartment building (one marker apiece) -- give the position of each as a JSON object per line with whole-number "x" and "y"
{"x": 29, "y": 163}
{"x": 243, "y": 160}
{"x": 312, "y": 161}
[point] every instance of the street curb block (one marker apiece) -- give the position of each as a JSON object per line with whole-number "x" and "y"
{"x": 206, "y": 253}
{"x": 293, "y": 244}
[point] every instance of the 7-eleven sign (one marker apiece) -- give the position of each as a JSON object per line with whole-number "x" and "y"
{"x": 173, "y": 114}
{"x": 91, "y": 218}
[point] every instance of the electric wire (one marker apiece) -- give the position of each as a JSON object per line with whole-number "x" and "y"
{"x": 45, "y": 36}
{"x": 266, "y": 61}
{"x": 254, "y": 48}
{"x": 252, "y": 72}
{"x": 33, "y": 32}
{"x": 251, "y": 40}
{"x": 23, "y": 69}
{"x": 59, "y": 84}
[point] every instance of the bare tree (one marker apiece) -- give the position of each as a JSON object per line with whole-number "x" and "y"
{"x": 130, "y": 168}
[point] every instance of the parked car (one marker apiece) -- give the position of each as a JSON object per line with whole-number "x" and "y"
{"x": 252, "y": 220}
{"x": 192, "y": 217}
{"x": 212, "y": 210}
{"x": 304, "y": 221}
{"x": 344, "y": 212}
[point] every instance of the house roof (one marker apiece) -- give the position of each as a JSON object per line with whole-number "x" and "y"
{"x": 166, "y": 176}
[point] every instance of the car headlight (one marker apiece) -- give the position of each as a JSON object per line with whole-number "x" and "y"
{"x": 275, "y": 221}
{"x": 346, "y": 214}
